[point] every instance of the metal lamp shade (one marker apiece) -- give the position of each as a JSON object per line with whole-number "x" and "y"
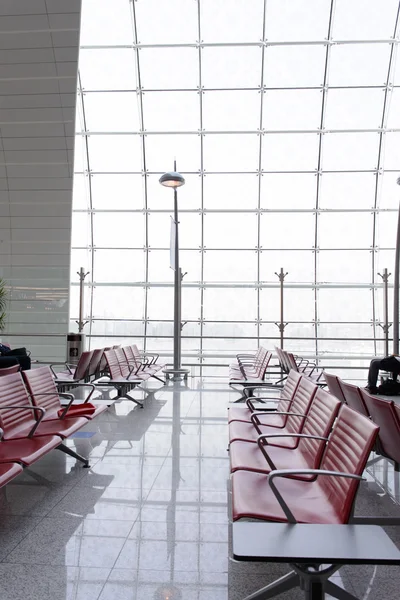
{"x": 172, "y": 179}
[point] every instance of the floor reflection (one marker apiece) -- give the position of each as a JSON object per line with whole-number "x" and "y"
{"x": 149, "y": 519}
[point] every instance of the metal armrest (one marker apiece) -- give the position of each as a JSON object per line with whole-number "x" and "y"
{"x": 256, "y": 422}
{"x": 34, "y": 408}
{"x": 263, "y": 437}
{"x": 155, "y": 357}
{"x": 289, "y": 472}
{"x": 260, "y": 408}
{"x": 78, "y": 384}
{"x": 60, "y": 363}
{"x": 69, "y": 397}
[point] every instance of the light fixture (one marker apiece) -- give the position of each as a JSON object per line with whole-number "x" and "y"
{"x": 173, "y": 180}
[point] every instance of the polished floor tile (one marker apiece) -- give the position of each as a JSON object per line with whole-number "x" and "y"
{"x": 150, "y": 518}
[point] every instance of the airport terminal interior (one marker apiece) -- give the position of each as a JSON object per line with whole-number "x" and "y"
{"x": 277, "y": 125}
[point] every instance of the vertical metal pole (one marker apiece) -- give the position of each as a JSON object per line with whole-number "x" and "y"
{"x": 386, "y": 325}
{"x": 281, "y": 279}
{"x": 177, "y": 289}
{"x": 81, "y": 323}
{"x": 396, "y": 288}
{"x": 281, "y": 325}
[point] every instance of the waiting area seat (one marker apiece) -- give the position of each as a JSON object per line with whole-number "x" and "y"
{"x": 314, "y": 482}
{"x": 43, "y": 390}
{"x": 383, "y": 412}
{"x": 26, "y": 435}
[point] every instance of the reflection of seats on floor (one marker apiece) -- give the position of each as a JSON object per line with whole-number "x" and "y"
{"x": 142, "y": 419}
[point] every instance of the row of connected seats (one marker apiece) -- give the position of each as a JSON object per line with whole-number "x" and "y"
{"x": 122, "y": 368}
{"x": 249, "y": 372}
{"x": 124, "y": 374}
{"x": 383, "y": 412}
{"x": 289, "y": 361}
{"x": 313, "y": 444}
{"x": 33, "y": 422}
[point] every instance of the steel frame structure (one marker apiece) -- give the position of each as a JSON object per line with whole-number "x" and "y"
{"x": 256, "y": 244}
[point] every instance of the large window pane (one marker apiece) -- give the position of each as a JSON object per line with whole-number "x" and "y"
{"x": 279, "y": 231}
{"x": 231, "y": 111}
{"x": 292, "y": 109}
{"x": 299, "y": 266}
{"x": 235, "y": 21}
{"x": 230, "y": 230}
{"x": 288, "y": 190}
{"x": 166, "y": 22}
{"x": 224, "y": 304}
{"x": 115, "y": 153}
{"x": 119, "y": 230}
{"x": 297, "y": 21}
{"x": 112, "y": 24}
{"x": 350, "y": 151}
{"x": 347, "y": 190}
{"x": 108, "y": 69}
{"x": 171, "y": 111}
{"x": 345, "y": 230}
{"x": 118, "y": 191}
{"x": 294, "y": 66}
{"x": 223, "y": 266}
{"x": 340, "y": 266}
{"x": 161, "y": 150}
{"x": 345, "y": 304}
{"x": 231, "y": 152}
{"x": 112, "y": 111}
{"x": 231, "y": 191}
{"x": 359, "y": 64}
{"x": 354, "y": 109}
{"x": 156, "y": 72}
{"x": 231, "y": 67}
{"x": 118, "y": 302}
{"x": 290, "y": 152}
{"x": 111, "y": 266}
{"x": 364, "y": 19}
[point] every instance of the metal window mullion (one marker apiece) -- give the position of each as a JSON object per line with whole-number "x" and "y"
{"x": 258, "y": 291}
{"x": 322, "y": 122}
{"x": 146, "y": 216}
{"x": 385, "y": 113}
{"x": 89, "y": 173}
{"x": 201, "y": 187}
{"x": 240, "y": 44}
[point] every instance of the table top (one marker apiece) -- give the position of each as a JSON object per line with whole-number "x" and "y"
{"x": 334, "y": 544}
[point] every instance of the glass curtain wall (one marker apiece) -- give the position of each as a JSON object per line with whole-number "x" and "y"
{"x": 284, "y": 118}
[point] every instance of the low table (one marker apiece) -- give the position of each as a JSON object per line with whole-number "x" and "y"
{"x": 306, "y": 548}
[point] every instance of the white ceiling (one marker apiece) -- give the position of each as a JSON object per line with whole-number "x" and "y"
{"x": 39, "y": 45}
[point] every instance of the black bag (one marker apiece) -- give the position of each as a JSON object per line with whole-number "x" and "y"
{"x": 389, "y": 388}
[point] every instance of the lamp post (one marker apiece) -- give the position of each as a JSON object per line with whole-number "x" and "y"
{"x": 396, "y": 288}
{"x": 173, "y": 180}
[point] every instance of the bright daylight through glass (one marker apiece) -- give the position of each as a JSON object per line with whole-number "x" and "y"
{"x": 284, "y": 119}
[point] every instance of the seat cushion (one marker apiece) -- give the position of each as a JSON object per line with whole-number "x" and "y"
{"x": 248, "y": 456}
{"x": 252, "y": 497}
{"x": 238, "y": 430}
{"x": 61, "y": 427}
{"x": 86, "y": 410}
{"x": 28, "y": 450}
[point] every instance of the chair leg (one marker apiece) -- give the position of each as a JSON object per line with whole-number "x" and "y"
{"x": 159, "y": 379}
{"x": 284, "y": 584}
{"x": 134, "y": 400}
{"x": 337, "y": 592}
{"x": 74, "y": 454}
